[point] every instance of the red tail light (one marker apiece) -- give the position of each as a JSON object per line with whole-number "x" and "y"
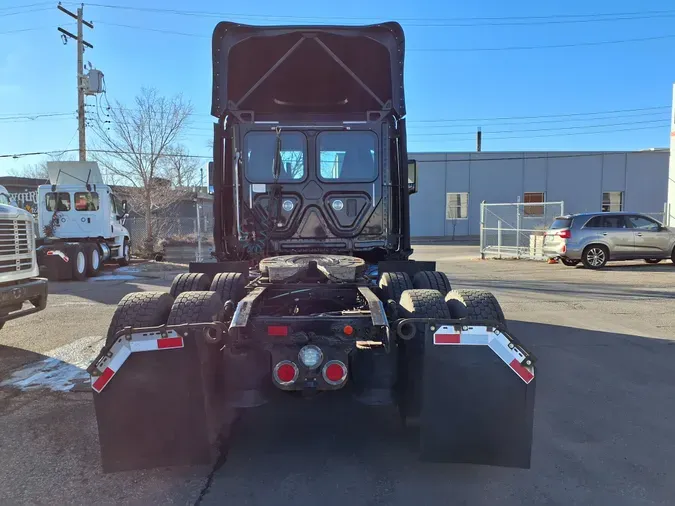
{"x": 277, "y": 330}
{"x": 334, "y": 372}
{"x": 285, "y": 372}
{"x": 565, "y": 234}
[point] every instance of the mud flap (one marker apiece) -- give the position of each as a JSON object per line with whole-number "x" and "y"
{"x": 160, "y": 409}
{"x": 475, "y": 408}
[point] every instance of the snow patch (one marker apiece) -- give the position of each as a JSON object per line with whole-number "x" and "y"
{"x": 62, "y": 370}
{"x": 113, "y": 277}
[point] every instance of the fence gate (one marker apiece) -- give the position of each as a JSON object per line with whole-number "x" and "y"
{"x": 516, "y": 229}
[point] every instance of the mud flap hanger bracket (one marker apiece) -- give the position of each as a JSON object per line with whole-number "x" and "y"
{"x": 406, "y": 329}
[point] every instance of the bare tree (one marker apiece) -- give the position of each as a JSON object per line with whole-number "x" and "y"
{"x": 133, "y": 151}
{"x": 181, "y": 167}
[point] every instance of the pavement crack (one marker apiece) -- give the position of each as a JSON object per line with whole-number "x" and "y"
{"x": 223, "y": 450}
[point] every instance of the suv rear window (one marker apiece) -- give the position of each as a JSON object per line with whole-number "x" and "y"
{"x": 560, "y": 223}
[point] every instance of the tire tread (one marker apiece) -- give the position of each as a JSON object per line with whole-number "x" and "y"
{"x": 140, "y": 309}
{"x": 433, "y": 280}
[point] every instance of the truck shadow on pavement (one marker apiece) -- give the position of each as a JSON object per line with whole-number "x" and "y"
{"x": 603, "y": 413}
{"x": 579, "y": 290}
{"x": 107, "y": 291}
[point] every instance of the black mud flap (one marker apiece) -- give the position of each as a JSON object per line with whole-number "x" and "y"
{"x": 475, "y": 408}
{"x": 160, "y": 409}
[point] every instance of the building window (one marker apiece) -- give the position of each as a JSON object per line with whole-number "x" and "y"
{"x": 456, "y": 206}
{"x": 534, "y": 197}
{"x": 612, "y": 202}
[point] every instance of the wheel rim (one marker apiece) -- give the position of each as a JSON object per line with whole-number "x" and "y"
{"x": 80, "y": 262}
{"x": 95, "y": 259}
{"x": 127, "y": 255}
{"x": 595, "y": 257}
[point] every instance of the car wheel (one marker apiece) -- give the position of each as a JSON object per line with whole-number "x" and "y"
{"x": 595, "y": 257}
{"x": 569, "y": 262}
{"x": 652, "y": 260}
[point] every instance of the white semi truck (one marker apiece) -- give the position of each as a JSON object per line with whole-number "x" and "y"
{"x": 22, "y": 292}
{"x": 80, "y": 223}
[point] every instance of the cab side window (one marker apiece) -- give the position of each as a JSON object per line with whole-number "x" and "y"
{"x": 57, "y": 201}
{"x": 86, "y": 201}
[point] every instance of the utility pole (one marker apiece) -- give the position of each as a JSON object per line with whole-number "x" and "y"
{"x": 81, "y": 43}
{"x": 479, "y": 140}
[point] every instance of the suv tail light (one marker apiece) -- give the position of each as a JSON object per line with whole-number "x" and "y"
{"x": 565, "y": 234}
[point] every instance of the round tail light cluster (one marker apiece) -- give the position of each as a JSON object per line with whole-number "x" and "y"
{"x": 286, "y": 372}
{"x": 334, "y": 372}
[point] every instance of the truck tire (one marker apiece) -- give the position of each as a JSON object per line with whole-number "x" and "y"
{"x": 474, "y": 305}
{"x": 78, "y": 261}
{"x": 418, "y": 303}
{"x": 393, "y": 284}
{"x": 125, "y": 257}
{"x": 140, "y": 309}
{"x": 230, "y": 286}
{"x": 432, "y": 280}
{"x": 195, "y": 307}
{"x": 94, "y": 263}
{"x": 190, "y": 282}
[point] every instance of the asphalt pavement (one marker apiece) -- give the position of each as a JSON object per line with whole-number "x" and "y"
{"x": 603, "y": 418}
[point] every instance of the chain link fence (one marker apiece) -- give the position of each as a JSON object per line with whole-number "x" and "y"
{"x": 516, "y": 229}
{"x": 180, "y": 239}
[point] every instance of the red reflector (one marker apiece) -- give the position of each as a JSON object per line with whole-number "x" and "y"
{"x": 277, "y": 330}
{"x": 565, "y": 234}
{"x": 103, "y": 379}
{"x": 286, "y": 373}
{"x": 348, "y": 330}
{"x": 335, "y": 372}
{"x": 170, "y": 342}
{"x": 446, "y": 338}
{"x": 521, "y": 371}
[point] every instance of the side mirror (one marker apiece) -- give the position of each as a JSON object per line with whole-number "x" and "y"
{"x": 412, "y": 176}
{"x": 125, "y": 207}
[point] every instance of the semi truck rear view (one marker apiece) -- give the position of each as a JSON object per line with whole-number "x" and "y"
{"x": 80, "y": 223}
{"x": 314, "y": 289}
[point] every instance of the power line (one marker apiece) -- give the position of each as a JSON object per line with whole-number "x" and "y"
{"x": 565, "y": 134}
{"x": 474, "y": 21}
{"x": 439, "y": 50}
{"x": 27, "y": 11}
{"x": 545, "y": 115}
{"x": 663, "y": 121}
{"x": 545, "y": 46}
{"x": 572, "y": 155}
{"x": 39, "y": 4}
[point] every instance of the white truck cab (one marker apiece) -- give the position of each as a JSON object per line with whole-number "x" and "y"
{"x": 80, "y": 222}
{"x": 19, "y": 281}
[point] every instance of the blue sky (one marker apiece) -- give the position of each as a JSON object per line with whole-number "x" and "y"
{"x": 470, "y": 88}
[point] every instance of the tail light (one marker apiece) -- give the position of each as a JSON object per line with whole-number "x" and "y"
{"x": 334, "y": 372}
{"x": 285, "y": 372}
{"x": 565, "y": 234}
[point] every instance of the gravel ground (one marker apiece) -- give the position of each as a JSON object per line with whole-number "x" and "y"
{"x": 603, "y": 415}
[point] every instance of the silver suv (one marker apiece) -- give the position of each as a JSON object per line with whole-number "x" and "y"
{"x": 596, "y": 238}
